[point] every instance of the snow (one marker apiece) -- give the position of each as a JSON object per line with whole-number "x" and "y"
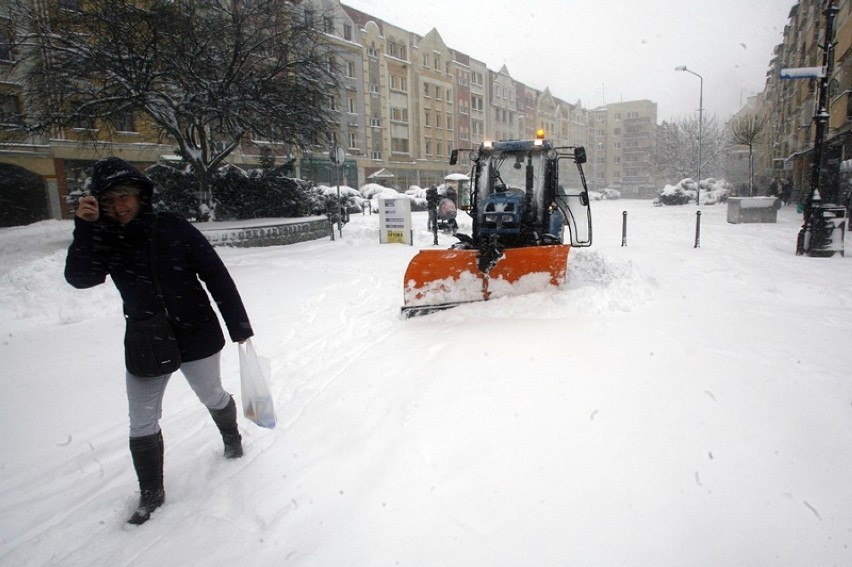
{"x": 670, "y": 405}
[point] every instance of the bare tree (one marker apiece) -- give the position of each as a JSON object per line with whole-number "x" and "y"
{"x": 208, "y": 75}
{"x": 677, "y": 149}
{"x": 746, "y": 130}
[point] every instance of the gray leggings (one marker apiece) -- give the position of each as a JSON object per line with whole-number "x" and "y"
{"x": 145, "y": 395}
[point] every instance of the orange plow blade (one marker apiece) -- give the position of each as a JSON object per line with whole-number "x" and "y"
{"x": 440, "y": 279}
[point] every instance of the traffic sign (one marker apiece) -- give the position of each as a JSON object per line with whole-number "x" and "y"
{"x": 803, "y": 73}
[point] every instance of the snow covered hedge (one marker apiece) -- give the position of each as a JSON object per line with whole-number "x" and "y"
{"x": 712, "y": 191}
{"x": 237, "y": 194}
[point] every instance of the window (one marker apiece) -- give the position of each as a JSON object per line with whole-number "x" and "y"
{"x": 398, "y": 83}
{"x": 350, "y": 69}
{"x": 439, "y": 149}
{"x": 331, "y": 102}
{"x": 428, "y": 147}
{"x": 5, "y": 46}
{"x": 350, "y": 105}
{"x": 399, "y": 145}
{"x": 437, "y": 92}
{"x": 79, "y": 122}
{"x": 399, "y": 114}
{"x": 70, "y": 5}
{"x": 426, "y": 89}
{"x": 347, "y": 32}
{"x": 427, "y": 117}
{"x": 376, "y": 155}
{"x": 438, "y": 120}
{"x": 328, "y": 24}
{"x": 848, "y": 106}
{"x": 353, "y": 140}
{"x": 476, "y": 102}
{"x": 309, "y": 17}
{"x": 375, "y": 122}
{"x": 396, "y": 50}
{"x": 449, "y": 122}
{"x": 8, "y": 109}
{"x": 331, "y": 65}
{"x": 124, "y": 122}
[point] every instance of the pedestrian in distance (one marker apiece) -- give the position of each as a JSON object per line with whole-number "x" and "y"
{"x": 786, "y": 191}
{"x": 432, "y": 200}
{"x": 157, "y": 261}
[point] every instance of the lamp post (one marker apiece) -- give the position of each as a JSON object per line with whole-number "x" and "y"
{"x": 700, "y": 125}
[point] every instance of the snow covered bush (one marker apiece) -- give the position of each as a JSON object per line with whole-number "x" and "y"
{"x": 349, "y": 196}
{"x": 679, "y": 194}
{"x": 176, "y": 189}
{"x": 237, "y": 194}
{"x": 370, "y": 190}
{"x": 712, "y": 191}
{"x": 374, "y": 192}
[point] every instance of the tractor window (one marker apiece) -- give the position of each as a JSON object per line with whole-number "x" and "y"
{"x": 573, "y": 201}
{"x": 507, "y": 172}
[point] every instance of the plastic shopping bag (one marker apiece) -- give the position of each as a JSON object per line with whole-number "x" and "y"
{"x": 257, "y": 401}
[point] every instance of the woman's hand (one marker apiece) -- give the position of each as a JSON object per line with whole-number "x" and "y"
{"x": 88, "y": 209}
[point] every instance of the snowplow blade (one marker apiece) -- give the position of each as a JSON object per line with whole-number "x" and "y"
{"x": 440, "y": 279}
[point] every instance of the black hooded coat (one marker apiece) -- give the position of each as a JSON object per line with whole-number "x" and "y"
{"x": 184, "y": 258}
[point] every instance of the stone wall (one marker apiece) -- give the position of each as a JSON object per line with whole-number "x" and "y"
{"x": 265, "y": 232}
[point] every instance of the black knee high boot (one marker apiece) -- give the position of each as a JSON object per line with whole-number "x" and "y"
{"x": 226, "y": 421}
{"x": 147, "y": 453}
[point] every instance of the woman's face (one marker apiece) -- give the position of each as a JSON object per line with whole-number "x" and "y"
{"x": 121, "y": 204}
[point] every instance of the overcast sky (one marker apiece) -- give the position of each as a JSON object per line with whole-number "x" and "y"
{"x": 602, "y": 51}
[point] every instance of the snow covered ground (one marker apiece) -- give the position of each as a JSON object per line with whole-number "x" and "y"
{"x": 670, "y": 406}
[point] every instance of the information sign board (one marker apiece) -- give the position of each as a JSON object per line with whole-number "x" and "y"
{"x": 395, "y": 220}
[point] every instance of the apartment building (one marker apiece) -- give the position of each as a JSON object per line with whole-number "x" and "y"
{"x": 404, "y": 102}
{"x": 786, "y": 148}
{"x": 624, "y": 141}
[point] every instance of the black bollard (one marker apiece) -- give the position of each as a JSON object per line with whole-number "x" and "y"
{"x": 697, "y": 229}
{"x": 624, "y": 228}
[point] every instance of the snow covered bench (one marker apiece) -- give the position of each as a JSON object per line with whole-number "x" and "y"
{"x": 752, "y": 209}
{"x": 265, "y": 232}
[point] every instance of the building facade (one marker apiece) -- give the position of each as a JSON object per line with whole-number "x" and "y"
{"x": 404, "y": 102}
{"x": 790, "y": 105}
{"x": 624, "y": 141}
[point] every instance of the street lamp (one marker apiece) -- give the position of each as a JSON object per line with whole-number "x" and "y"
{"x": 700, "y": 125}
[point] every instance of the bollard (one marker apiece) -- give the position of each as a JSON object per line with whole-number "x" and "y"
{"x": 624, "y": 228}
{"x": 697, "y": 229}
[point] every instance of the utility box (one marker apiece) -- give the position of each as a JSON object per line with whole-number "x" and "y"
{"x": 752, "y": 209}
{"x": 828, "y": 231}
